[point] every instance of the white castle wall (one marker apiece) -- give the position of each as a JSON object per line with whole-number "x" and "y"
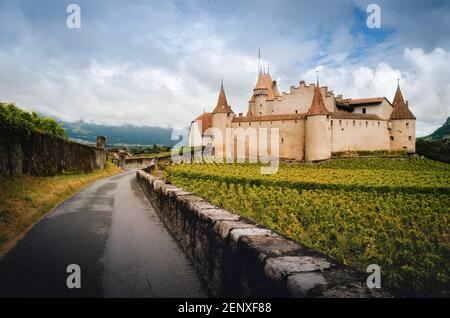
{"x": 359, "y": 135}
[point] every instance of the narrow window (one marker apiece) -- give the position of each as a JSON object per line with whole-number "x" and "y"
{"x": 407, "y": 125}
{"x": 331, "y": 123}
{"x": 378, "y": 124}
{"x": 409, "y": 138}
{"x": 354, "y": 123}
{"x": 367, "y": 124}
{"x": 340, "y": 123}
{"x": 282, "y": 140}
{"x": 296, "y": 111}
{"x": 363, "y": 110}
{"x": 392, "y": 138}
{"x": 260, "y": 113}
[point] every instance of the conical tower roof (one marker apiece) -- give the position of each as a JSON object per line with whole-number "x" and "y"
{"x": 317, "y": 105}
{"x": 222, "y": 103}
{"x": 401, "y": 110}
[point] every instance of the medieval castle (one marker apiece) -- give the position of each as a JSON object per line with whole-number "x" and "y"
{"x": 313, "y": 123}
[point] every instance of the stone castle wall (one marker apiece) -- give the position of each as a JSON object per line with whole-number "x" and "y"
{"x": 46, "y": 155}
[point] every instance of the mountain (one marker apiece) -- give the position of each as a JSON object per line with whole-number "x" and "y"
{"x": 123, "y": 135}
{"x": 437, "y": 145}
{"x": 442, "y": 132}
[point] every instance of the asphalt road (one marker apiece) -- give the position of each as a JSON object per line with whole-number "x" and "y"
{"x": 111, "y": 231}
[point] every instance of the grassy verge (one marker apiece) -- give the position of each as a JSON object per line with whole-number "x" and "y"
{"x": 24, "y": 200}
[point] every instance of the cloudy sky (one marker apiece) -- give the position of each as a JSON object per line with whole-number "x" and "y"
{"x": 160, "y": 62}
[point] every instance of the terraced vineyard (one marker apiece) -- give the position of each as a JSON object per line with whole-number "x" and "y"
{"x": 394, "y": 213}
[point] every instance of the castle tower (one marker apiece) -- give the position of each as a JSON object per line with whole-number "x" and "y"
{"x": 261, "y": 102}
{"x": 317, "y": 129}
{"x": 222, "y": 116}
{"x": 403, "y": 125}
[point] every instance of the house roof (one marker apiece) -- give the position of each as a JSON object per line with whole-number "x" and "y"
{"x": 206, "y": 119}
{"x": 401, "y": 110}
{"x": 360, "y": 101}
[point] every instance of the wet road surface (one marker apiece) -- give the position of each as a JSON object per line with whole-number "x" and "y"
{"x": 113, "y": 233}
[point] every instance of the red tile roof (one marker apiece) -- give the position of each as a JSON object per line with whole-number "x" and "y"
{"x": 206, "y": 119}
{"x": 401, "y": 110}
{"x": 317, "y": 105}
{"x": 222, "y": 103}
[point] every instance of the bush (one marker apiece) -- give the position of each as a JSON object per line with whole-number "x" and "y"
{"x": 16, "y": 123}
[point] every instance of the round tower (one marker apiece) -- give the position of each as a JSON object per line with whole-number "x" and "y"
{"x": 403, "y": 125}
{"x": 317, "y": 129}
{"x": 222, "y": 116}
{"x": 260, "y": 94}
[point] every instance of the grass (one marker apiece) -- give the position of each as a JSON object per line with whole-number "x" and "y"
{"x": 24, "y": 200}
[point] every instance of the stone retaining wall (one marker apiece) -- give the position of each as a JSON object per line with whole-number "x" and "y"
{"x": 46, "y": 155}
{"x": 237, "y": 258}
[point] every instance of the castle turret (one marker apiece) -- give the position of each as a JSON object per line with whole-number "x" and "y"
{"x": 222, "y": 116}
{"x": 264, "y": 93}
{"x": 403, "y": 125}
{"x": 317, "y": 129}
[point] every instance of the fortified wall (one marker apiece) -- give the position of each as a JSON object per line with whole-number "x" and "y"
{"x": 237, "y": 258}
{"x": 47, "y": 155}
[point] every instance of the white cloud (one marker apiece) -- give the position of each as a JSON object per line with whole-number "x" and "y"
{"x": 424, "y": 82}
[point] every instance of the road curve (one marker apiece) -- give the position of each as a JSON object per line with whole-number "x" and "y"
{"x": 113, "y": 233}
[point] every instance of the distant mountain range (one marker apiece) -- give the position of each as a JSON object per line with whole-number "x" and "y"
{"x": 119, "y": 135}
{"x": 442, "y": 132}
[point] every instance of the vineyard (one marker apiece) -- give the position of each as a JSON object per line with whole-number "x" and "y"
{"x": 394, "y": 213}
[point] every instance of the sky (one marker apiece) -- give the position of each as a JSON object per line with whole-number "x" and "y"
{"x": 160, "y": 63}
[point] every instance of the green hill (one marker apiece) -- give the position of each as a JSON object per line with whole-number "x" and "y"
{"x": 437, "y": 145}
{"x": 123, "y": 135}
{"x": 442, "y": 132}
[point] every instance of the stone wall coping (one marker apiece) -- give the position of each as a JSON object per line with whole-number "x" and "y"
{"x": 299, "y": 270}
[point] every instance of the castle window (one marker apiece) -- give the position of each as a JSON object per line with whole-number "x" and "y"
{"x": 249, "y": 124}
{"x": 392, "y": 138}
{"x": 407, "y": 125}
{"x": 367, "y": 123}
{"x": 363, "y": 110}
{"x": 296, "y": 111}
{"x": 340, "y": 123}
{"x": 260, "y": 105}
{"x": 409, "y": 138}
{"x": 354, "y": 123}
{"x": 260, "y": 113}
{"x": 378, "y": 124}
{"x": 239, "y": 124}
{"x": 331, "y": 123}
{"x": 282, "y": 139}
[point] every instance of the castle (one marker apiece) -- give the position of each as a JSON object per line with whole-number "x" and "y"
{"x": 313, "y": 123}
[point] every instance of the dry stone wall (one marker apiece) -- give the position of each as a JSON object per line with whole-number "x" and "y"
{"x": 237, "y": 258}
{"x": 47, "y": 155}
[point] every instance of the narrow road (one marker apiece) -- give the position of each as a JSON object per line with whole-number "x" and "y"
{"x": 113, "y": 233}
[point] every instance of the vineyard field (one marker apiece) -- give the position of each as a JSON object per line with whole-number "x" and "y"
{"x": 391, "y": 212}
